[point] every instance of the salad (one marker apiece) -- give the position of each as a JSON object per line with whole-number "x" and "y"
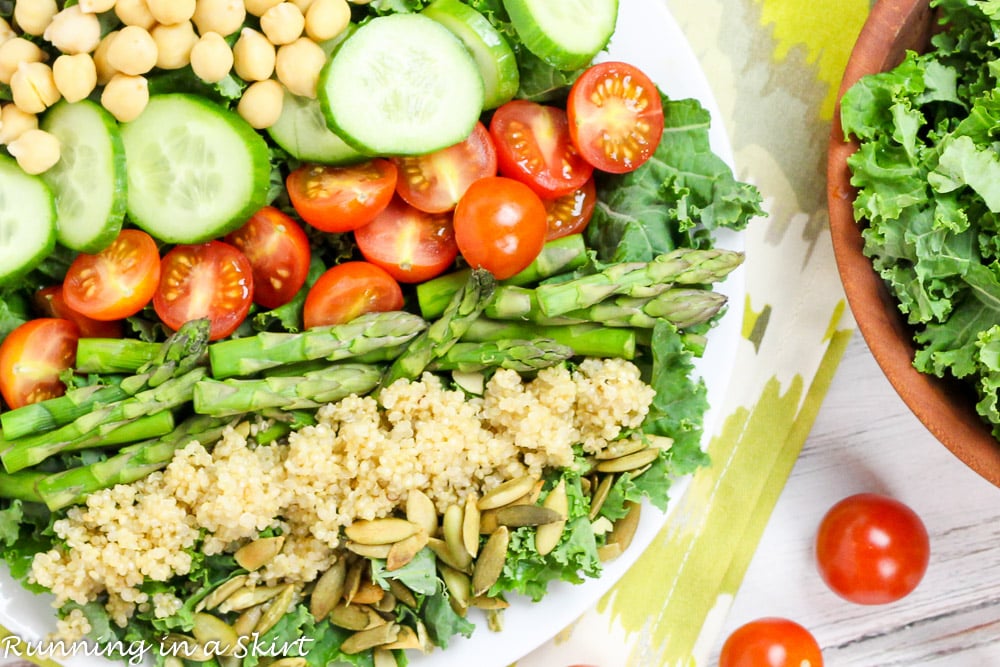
{"x": 191, "y": 433}
{"x": 926, "y": 193}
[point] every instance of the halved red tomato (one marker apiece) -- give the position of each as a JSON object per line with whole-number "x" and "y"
{"x": 436, "y": 181}
{"x": 341, "y": 199}
{"x": 534, "y": 146}
{"x": 116, "y": 282}
{"x": 210, "y": 280}
{"x": 409, "y": 244}
{"x": 615, "y": 116}
{"x": 50, "y": 302}
{"x": 33, "y": 356}
{"x": 279, "y": 254}
{"x": 500, "y": 225}
{"x": 570, "y": 213}
{"x": 348, "y": 290}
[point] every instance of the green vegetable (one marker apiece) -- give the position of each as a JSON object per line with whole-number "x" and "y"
{"x": 28, "y": 221}
{"x": 567, "y": 35}
{"x": 928, "y": 181}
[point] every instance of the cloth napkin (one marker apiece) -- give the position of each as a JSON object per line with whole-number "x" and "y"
{"x": 774, "y": 67}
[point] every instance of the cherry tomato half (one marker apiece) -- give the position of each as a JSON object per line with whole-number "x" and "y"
{"x": 348, "y": 290}
{"x": 116, "y": 282}
{"x": 436, "y": 181}
{"x": 534, "y": 146}
{"x": 872, "y": 549}
{"x": 50, "y": 302}
{"x": 615, "y": 116}
{"x": 770, "y": 642}
{"x": 213, "y": 280}
{"x": 341, "y": 199}
{"x": 409, "y": 244}
{"x": 570, "y": 214}
{"x": 500, "y": 225}
{"x": 279, "y": 254}
{"x": 33, "y": 356}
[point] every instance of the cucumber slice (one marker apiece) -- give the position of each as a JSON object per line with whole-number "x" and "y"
{"x": 496, "y": 60}
{"x": 567, "y": 34}
{"x": 302, "y": 131}
{"x": 89, "y": 181}
{"x": 401, "y": 84}
{"x": 27, "y": 220}
{"x": 196, "y": 171}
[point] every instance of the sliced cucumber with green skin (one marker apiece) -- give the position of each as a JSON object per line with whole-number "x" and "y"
{"x": 196, "y": 171}
{"x": 27, "y": 221}
{"x": 302, "y": 131}
{"x": 401, "y": 84}
{"x": 566, "y": 34}
{"x": 496, "y": 60}
{"x": 90, "y": 180}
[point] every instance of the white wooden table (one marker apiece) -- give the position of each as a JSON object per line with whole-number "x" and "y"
{"x": 865, "y": 439}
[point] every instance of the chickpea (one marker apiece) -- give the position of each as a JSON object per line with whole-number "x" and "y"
{"x": 325, "y": 19}
{"x": 258, "y": 7}
{"x": 133, "y": 51}
{"x": 33, "y": 87}
{"x": 282, "y": 24}
{"x": 75, "y": 76}
{"x": 14, "y": 122}
{"x": 104, "y": 69}
{"x": 303, "y": 5}
{"x": 135, "y": 12}
{"x": 6, "y": 32}
{"x": 125, "y": 96}
{"x": 33, "y": 16}
{"x": 174, "y": 44}
{"x": 169, "y": 12}
{"x": 36, "y": 151}
{"x": 261, "y": 103}
{"x": 73, "y": 31}
{"x": 96, "y": 6}
{"x": 15, "y": 51}
{"x": 298, "y": 66}
{"x": 211, "y": 58}
{"x": 253, "y": 56}
{"x": 222, "y": 16}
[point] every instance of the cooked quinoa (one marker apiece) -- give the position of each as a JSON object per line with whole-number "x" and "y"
{"x": 358, "y": 462}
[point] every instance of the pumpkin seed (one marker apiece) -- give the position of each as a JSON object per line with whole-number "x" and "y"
{"x": 184, "y": 647}
{"x": 256, "y": 554}
{"x": 296, "y": 661}
{"x": 488, "y": 521}
{"x": 494, "y": 620}
{"x": 352, "y": 580}
{"x": 487, "y": 603}
{"x": 221, "y": 592}
{"x": 452, "y": 528}
{"x": 629, "y": 461}
{"x": 620, "y": 448}
{"x": 368, "y": 593}
{"x": 470, "y": 524}
{"x": 402, "y": 593}
{"x": 507, "y": 492}
{"x": 212, "y": 630}
{"x": 490, "y": 563}
{"x": 547, "y": 536}
{"x": 350, "y": 616}
{"x": 515, "y": 516}
{"x": 328, "y": 590}
{"x": 406, "y": 639}
{"x": 370, "y": 638}
{"x": 276, "y": 609}
{"x": 386, "y": 604}
{"x": 443, "y": 553}
{"x": 380, "y": 551}
{"x": 609, "y": 552}
{"x": 380, "y": 531}
{"x": 624, "y": 529}
{"x": 383, "y": 658}
{"x": 421, "y": 511}
{"x": 245, "y": 623}
{"x": 251, "y": 596}
{"x": 600, "y": 495}
{"x": 402, "y": 552}
{"x": 458, "y": 585}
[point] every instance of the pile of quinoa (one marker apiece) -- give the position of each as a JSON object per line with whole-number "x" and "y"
{"x": 358, "y": 462}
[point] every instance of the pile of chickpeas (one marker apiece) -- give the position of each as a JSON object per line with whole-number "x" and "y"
{"x": 284, "y": 54}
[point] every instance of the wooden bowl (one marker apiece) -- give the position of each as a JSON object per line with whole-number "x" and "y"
{"x": 947, "y": 409}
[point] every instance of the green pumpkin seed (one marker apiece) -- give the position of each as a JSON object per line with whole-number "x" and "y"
{"x": 184, "y": 647}
{"x": 296, "y": 661}
{"x": 620, "y": 448}
{"x": 600, "y": 495}
{"x": 380, "y": 531}
{"x": 256, "y": 554}
{"x": 458, "y": 585}
{"x": 452, "y": 529}
{"x": 350, "y": 617}
{"x": 470, "y": 525}
{"x": 212, "y": 630}
{"x": 380, "y": 551}
{"x": 402, "y": 552}
{"x": 625, "y": 527}
{"x": 370, "y": 638}
{"x": 491, "y": 559}
{"x": 443, "y": 553}
{"x": 383, "y": 658}
{"x": 250, "y": 596}
{"x": 407, "y": 639}
{"x": 245, "y": 623}
{"x": 547, "y": 536}
{"x": 402, "y": 593}
{"x": 421, "y": 511}
{"x": 516, "y": 516}
{"x": 328, "y": 590}
{"x": 628, "y": 462}
{"x": 276, "y": 609}
{"x": 485, "y": 602}
{"x": 221, "y": 592}
{"x": 507, "y": 492}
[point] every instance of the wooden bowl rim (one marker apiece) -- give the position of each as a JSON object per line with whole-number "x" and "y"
{"x": 892, "y": 27}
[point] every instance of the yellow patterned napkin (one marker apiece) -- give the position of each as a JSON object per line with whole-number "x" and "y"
{"x": 774, "y": 67}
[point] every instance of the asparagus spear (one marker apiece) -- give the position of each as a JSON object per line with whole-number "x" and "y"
{"x": 366, "y": 334}
{"x": 586, "y": 340}
{"x": 132, "y": 463}
{"x": 53, "y": 412}
{"x": 683, "y": 266}
{"x": 21, "y": 485}
{"x": 113, "y": 355}
{"x": 523, "y": 356}
{"x": 221, "y": 398}
{"x": 464, "y": 308}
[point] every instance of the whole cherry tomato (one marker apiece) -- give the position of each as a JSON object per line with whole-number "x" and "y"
{"x": 771, "y": 642}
